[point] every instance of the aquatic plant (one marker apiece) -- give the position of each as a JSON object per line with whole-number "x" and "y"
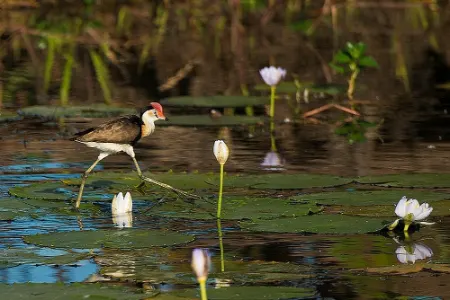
{"x": 352, "y": 58}
{"x": 201, "y": 263}
{"x": 221, "y": 152}
{"x": 121, "y": 208}
{"x": 272, "y": 76}
{"x": 409, "y": 210}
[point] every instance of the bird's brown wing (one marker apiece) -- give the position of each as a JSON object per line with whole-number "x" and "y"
{"x": 124, "y": 130}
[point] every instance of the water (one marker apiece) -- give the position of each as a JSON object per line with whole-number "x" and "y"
{"x": 334, "y": 266}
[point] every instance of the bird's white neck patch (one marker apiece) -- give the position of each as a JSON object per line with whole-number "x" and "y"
{"x": 149, "y": 119}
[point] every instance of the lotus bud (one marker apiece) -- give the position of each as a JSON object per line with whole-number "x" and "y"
{"x": 221, "y": 151}
{"x": 201, "y": 262}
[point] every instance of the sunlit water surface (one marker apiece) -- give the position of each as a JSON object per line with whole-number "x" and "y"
{"x": 34, "y": 152}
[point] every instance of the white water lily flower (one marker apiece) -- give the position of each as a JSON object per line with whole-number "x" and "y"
{"x": 272, "y": 75}
{"x": 201, "y": 263}
{"x": 409, "y": 254}
{"x": 412, "y": 210}
{"x": 409, "y": 210}
{"x": 121, "y": 204}
{"x": 221, "y": 151}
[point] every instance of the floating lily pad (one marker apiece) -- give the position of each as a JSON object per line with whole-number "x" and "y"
{"x": 89, "y": 111}
{"x": 234, "y": 208}
{"x": 440, "y": 208}
{"x": 57, "y": 291}
{"x": 242, "y": 292}
{"x": 10, "y": 257}
{"x": 284, "y": 87}
{"x": 8, "y": 215}
{"x": 368, "y": 198}
{"x": 6, "y": 116}
{"x": 116, "y": 239}
{"x": 206, "y": 120}
{"x": 418, "y": 266}
{"x": 102, "y": 185}
{"x": 290, "y": 87}
{"x": 425, "y": 180}
{"x": 215, "y": 101}
{"x": 324, "y": 224}
{"x": 289, "y": 181}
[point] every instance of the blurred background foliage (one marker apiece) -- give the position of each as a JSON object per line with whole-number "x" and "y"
{"x": 127, "y": 51}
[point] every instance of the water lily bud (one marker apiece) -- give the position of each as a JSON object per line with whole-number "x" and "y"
{"x": 221, "y": 151}
{"x": 201, "y": 263}
{"x": 272, "y": 75}
{"x": 121, "y": 204}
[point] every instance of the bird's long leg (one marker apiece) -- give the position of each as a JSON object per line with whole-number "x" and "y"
{"x": 161, "y": 184}
{"x": 85, "y": 176}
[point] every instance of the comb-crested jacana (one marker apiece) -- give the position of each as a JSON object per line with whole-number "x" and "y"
{"x": 119, "y": 135}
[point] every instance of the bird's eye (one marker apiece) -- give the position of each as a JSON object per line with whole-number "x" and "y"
{"x": 155, "y": 113}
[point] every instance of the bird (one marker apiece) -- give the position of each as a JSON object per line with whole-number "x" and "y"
{"x": 119, "y": 135}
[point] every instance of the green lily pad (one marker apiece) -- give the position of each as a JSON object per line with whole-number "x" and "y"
{"x": 8, "y": 215}
{"x": 424, "y": 180}
{"x": 368, "y": 198}
{"x": 115, "y": 239}
{"x": 59, "y": 291}
{"x": 243, "y": 292}
{"x": 322, "y": 224}
{"x": 6, "y": 116}
{"x": 288, "y": 181}
{"x": 290, "y": 87}
{"x": 206, "y": 120}
{"x": 440, "y": 209}
{"x": 100, "y": 186}
{"x": 234, "y": 208}
{"x": 215, "y": 101}
{"x": 284, "y": 87}
{"x": 10, "y": 257}
{"x": 88, "y": 111}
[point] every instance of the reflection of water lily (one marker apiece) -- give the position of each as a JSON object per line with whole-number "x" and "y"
{"x": 411, "y": 253}
{"x": 201, "y": 263}
{"x": 273, "y": 161}
{"x": 272, "y": 75}
{"x": 124, "y": 220}
{"x": 409, "y": 210}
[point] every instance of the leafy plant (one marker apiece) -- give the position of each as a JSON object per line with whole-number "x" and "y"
{"x": 352, "y": 59}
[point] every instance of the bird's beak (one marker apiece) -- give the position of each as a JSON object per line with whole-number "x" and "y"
{"x": 162, "y": 117}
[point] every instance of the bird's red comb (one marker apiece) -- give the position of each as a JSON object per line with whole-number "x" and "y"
{"x": 157, "y": 106}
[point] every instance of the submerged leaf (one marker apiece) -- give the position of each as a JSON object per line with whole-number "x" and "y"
{"x": 115, "y": 239}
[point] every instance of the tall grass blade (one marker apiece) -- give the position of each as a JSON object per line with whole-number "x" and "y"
{"x": 66, "y": 79}
{"x": 49, "y": 63}
{"x": 102, "y": 74}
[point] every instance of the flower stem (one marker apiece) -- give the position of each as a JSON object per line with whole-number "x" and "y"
{"x": 222, "y": 261}
{"x": 202, "y": 282}
{"x": 273, "y": 146}
{"x": 219, "y": 204}
{"x": 407, "y": 224}
{"x": 272, "y": 106}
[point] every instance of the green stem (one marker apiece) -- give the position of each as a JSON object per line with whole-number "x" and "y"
{"x": 272, "y": 106}
{"x": 273, "y": 145}
{"x": 407, "y": 224}
{"x": 222, "y": 260}
{"x": 351, "y": 87}
{"x": 219, "y": 204}
{"x": 202, "y": 282}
